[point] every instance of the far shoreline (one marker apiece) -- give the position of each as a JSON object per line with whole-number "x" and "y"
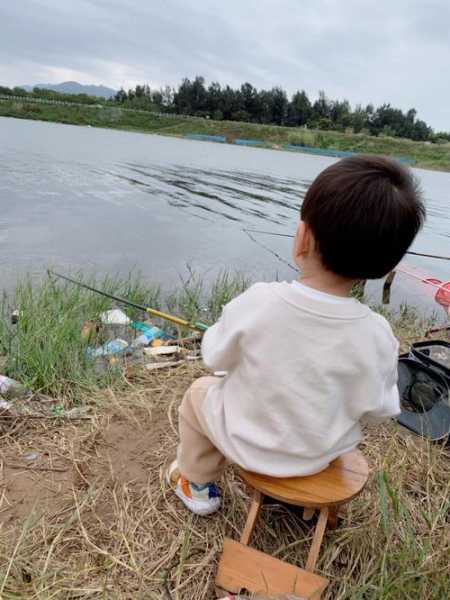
{"x": 435, "y": 157}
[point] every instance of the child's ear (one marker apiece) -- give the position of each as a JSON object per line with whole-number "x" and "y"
{"x": 302, "y": 243}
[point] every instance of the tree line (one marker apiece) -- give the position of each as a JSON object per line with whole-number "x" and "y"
{"x": 51, "y": 95}
{"x": 274, "y": 106}
{"x": 247, "y": 103}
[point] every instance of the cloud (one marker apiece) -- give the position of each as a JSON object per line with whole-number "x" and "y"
{"x": 363, "y": 51}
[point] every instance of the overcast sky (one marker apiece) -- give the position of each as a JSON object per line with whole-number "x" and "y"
{"x": 394, "y": 51}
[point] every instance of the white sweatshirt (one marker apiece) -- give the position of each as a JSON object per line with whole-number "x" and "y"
{"x": 304, "y": 368}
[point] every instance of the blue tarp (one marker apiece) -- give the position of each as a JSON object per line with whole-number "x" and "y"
{"x": 339, "y": 153}
{"x": 320, "y": 151}
{"x": 405, "y": 159}
{"x": 241, "y": 142}
{"x": 206, "y": 138}
{"x": 293, "y": 147}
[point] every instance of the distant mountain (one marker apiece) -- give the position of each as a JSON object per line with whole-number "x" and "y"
{"x": 73, "y": 87}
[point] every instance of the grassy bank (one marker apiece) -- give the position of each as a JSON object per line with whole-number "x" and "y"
{"x": 430, "y": 156}
{"x": 88, "y": 516}
{"x": 45, "y": 349}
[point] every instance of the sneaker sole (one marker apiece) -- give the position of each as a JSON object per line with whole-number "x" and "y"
{"x": 193, "y": 505}
{"x": 196, "y": 507}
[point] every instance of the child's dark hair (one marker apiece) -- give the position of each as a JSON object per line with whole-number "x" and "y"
{"x": 364, "y": 213}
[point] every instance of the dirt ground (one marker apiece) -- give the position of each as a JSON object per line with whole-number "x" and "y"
{"x": 85, "y": 513}
{"x": 118, "y": 453}
{"x": 84, "y": 510}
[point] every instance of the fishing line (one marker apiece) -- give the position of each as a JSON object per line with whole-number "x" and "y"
{"x": 421, "y": 279}
{"x": 428, "y": 255}
{"x": 399, "y": 268}
{"x": 277, "y": 256}
{"x": 287, "y": 235}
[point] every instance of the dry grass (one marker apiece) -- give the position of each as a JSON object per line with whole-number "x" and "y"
{"x": 102, "y": 524}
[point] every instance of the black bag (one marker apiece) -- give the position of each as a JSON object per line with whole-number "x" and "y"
{"x": 424, "y": 399}
{"x": 434, "y": 354}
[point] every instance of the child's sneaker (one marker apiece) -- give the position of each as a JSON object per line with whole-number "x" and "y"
{"x": 200, "y": 499}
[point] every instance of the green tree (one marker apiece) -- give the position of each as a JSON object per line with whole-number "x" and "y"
{"x": 299, "y": 109}
{"x": 359, "y": 119}
{"x": 167, "y": 97}
{"x": 191, "y": 97}
{"x": 247, "y": 103}
{"x": 250, "y": 101}
{"x": 18, "y": 91}
{"x": 279, "y": 105}
{"x": 214, "y": 98}
{"x": 422, "y": 132}
{"x": 321, "y": 108}
{"x": 121, "y": 96}
{"x": 340, "y": 114}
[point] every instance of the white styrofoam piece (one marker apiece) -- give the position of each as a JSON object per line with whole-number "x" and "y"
{"x": 114, "y": 317}
{"x": 161, "y": 350}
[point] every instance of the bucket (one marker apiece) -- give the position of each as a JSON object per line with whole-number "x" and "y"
{"x": 443, "y": 295}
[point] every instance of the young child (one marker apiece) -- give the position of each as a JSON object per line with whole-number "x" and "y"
{"x": 305, "y": 362}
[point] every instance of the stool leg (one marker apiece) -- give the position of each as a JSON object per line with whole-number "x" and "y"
{"x": 317, "y": 539}
{"x": 332, "y": 517}
{"x": 308, "y": 513}
{"x": 252, "y": 517}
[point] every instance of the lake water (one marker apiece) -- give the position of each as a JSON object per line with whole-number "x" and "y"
{"x": 104, "y": 201}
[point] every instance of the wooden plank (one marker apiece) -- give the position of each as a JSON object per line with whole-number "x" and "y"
{"x": 244, "y": 568}
{"x": 340, "y": 482}
{"x": 252, "y": 517}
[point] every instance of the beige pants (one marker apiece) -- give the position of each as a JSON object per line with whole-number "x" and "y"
{"x": 198, "y": 458}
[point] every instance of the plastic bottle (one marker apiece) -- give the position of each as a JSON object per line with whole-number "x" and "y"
{"x": 147, "y": 337}
{"x": 113, "y": 347}
{"x": 10, "y": 387}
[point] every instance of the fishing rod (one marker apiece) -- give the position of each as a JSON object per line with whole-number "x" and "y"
{"x": 288, "y": 235}
{"x": 198, "y": 326}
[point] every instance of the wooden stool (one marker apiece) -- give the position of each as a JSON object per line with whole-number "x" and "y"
{"x": 326, "y": 491}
